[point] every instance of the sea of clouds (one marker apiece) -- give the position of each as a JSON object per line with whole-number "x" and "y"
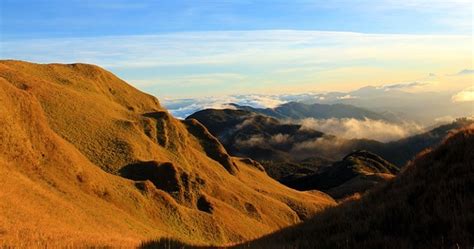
{"x": 350, "y": 128}
{"x": 182, "y": 108}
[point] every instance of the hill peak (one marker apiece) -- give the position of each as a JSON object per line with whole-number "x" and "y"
{"x": 110, "y": 167}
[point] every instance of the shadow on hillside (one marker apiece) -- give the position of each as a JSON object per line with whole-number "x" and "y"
{"x": 168, "y": 243}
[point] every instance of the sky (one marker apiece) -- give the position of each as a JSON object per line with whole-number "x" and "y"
{"x": 182, "y": 49}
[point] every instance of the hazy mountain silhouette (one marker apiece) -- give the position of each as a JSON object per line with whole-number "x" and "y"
{"x": 298, "y": 110}
{"x": 398, "y": 103}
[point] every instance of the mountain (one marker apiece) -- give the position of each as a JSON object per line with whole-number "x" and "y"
{"x": 396, "y": 103}
{"x": 429, "y": 205}
{"x": 399, "y": 152}
{"x": 355, "y": 173}
{"x": 421, "y": 107}
{"x": 248, "y": 134}
{"x": 86, "y": 160}
{"x": 286, "y": 148}
{"x": 271, "y": 142}
{"x": 298, "y": 110}
{"x": 306, "y": 159}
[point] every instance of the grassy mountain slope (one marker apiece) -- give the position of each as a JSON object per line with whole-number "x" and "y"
{"x": 429, "y": 205}
{"x": 75, "y": 142}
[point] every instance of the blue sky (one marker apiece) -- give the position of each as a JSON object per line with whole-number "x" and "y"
{"x": 186, "y": 48}
{"x": 82, "y": 18}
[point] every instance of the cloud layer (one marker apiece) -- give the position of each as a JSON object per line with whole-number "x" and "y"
{"x": 395, "y": 101}
{"x": 466, "y": 95}
{"x": 466, "y": 72}
{"x": 349, "y": 128}
{"x": 181, "y": 108}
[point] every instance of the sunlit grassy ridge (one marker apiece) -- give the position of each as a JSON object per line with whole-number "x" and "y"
{"x": 68, "y": 131}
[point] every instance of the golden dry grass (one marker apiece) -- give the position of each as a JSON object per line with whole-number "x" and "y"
{"x": 68, "y": 130}
{"x": 429, "y": 205}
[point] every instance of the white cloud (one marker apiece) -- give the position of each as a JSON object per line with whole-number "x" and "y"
{"x": 181, "y": 108}
{"x": 347, "y": 96}
{"x": 217, "y": 47}
{"x": 399, "y": 86}
{"x": 259, "y": 101}
{"x": 279, "y": 60}
{"x": 444, "y": 119}
{"x": 465, "y": 95}
{"x": 466, "y": 72}
{"x": 350, "y": 128}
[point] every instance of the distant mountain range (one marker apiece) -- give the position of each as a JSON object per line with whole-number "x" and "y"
{"x": 393, "y": 102}
{"x": 421, "y": 107}
{"x": 298, "y": 110}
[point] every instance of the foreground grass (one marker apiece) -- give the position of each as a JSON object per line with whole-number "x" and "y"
{"x": 430, "y": 205}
